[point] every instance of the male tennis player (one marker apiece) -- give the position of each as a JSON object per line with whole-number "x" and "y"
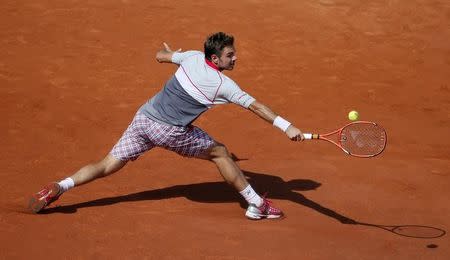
{"x": 166, "y": 121}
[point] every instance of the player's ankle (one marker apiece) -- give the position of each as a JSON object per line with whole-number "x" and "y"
{"x": 251, "y": 196}
{"x": 66, "y": 184}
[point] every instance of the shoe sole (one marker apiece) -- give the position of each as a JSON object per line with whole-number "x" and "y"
{"x": 254, "y": 216}
{"x": 35, "y": 205}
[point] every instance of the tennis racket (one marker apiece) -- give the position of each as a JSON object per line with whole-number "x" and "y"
{"x": 361, "y": 138}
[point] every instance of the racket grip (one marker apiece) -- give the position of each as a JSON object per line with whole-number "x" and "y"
{"x": 309, "y": 136}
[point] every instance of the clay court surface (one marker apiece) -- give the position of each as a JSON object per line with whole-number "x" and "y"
{"x": 73, "y": 73}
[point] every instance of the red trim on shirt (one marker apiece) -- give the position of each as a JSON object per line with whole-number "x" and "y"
{"x": 195, "y": 85}
{"x": 217, "y": 91}
{"x": 218, "y": 87}
{"x": 242, "y": 96}
{"x": 212, "y": 65}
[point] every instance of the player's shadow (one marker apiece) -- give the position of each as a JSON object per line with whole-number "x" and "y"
{"x": 219, "y": 192}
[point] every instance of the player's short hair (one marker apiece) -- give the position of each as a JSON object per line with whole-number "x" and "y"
{"x": 215, "y": 43}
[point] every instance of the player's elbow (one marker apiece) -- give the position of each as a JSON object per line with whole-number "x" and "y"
{"x": 257, "y": 107}
{"x": 159, "y": 57}
{"x": 163, "y": 56}
{"x": 254, "y": 106}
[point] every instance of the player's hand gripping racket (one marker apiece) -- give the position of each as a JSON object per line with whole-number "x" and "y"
{"x": 360, "y": 138}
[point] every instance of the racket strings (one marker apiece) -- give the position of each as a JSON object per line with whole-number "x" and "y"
{"x": 363, "y": 139}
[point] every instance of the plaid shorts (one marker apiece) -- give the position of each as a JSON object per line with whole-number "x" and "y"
{"x": 144, "y": 134}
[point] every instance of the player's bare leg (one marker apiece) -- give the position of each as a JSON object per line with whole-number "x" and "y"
{"x": 228, "y": 168}
{"x": 258, "y": 208}
{"x": 88, "y": 173}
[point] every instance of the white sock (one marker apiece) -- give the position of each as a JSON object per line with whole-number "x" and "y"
{"x": 251, "y": 196}
{"x": 66, "y": 184}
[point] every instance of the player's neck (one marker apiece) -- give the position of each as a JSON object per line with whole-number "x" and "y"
{"x": 212, "y": 65}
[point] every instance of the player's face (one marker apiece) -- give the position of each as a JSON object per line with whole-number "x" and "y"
{"x": 227, "y": 59}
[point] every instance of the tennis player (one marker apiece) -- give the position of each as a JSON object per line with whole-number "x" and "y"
{"x": 166, "y": 121}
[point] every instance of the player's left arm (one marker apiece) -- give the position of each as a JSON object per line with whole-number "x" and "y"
{"x": 165, "y": 55}
{"x": 268, "y": 115}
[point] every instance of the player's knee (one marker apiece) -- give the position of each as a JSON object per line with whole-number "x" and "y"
{"x": 220, "y": 151}
{"x": 109, "y": 165}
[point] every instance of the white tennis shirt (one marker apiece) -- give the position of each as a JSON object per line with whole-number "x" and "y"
{"x": 196, "y": 86}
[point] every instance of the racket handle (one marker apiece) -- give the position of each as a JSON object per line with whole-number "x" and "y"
{"x": 309, "y": 136}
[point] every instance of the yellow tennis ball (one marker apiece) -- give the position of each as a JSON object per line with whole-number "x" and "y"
{"x": 353, "y": 115}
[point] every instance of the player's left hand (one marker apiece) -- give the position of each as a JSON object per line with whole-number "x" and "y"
{"x": 165, "y": 55}
{"x": 167, "y": 48}
{"x": 294, "y": 133}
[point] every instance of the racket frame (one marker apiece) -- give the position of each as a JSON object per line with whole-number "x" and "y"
{"x": 311, "y": 136}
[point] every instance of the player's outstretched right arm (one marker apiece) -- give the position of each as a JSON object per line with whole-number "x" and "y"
{"x": 268, "y": 115}
{"x": 165, "y": 55}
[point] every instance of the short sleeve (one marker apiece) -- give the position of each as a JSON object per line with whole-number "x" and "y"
{"x": 178, "y": 57}
{"x": 233, "y": 93}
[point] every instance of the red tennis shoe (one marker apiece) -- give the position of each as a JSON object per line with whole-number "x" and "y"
{"x": 266, "y": 210}
{"x": 45, "y": 197}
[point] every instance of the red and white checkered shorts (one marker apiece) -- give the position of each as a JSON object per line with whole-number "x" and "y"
{"x": 144, "y": 134}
